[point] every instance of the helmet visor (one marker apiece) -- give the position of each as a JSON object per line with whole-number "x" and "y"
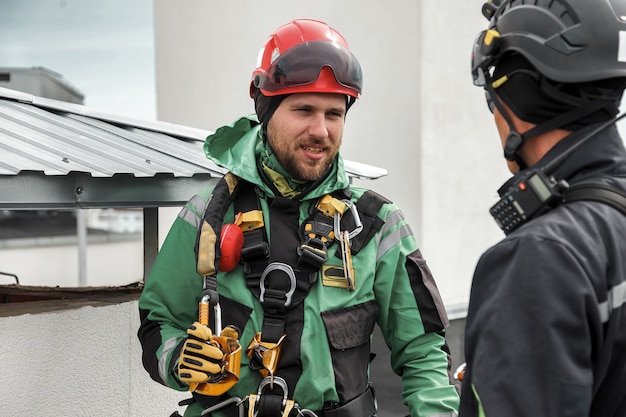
{"x": 483, "y": 54}
{"x": 302, "y": 64}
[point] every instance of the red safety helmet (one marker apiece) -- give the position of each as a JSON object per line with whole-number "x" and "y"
{"x": 306, "y": 56}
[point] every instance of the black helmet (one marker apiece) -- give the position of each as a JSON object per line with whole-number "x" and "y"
{"x": 577, "y": 54}
{"x": 569, "y": 41}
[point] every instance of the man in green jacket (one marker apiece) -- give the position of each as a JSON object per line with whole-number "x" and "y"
{"x": 297, "y": 264}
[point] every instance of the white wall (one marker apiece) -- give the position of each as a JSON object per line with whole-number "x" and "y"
{"x": 78, "y": 363}
{"x": 419, "y": 117}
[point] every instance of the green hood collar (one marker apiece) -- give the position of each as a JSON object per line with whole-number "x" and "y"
{"x": 233, "y": 147}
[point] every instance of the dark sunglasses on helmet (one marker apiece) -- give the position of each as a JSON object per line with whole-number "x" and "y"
{"x": 302, "y": 64}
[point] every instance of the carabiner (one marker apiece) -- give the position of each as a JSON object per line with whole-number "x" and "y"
{"x": 357, "y": 220}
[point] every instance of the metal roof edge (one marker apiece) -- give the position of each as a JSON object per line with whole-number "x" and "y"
{"x": 183, "y": 131}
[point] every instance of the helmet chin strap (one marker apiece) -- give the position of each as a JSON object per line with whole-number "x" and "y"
{"x": 514, "y": 140}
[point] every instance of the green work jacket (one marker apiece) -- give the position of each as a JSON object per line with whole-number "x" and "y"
{"x": 330, "y": 349}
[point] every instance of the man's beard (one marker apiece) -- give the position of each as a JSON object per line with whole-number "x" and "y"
{"x": 300, "y": 174}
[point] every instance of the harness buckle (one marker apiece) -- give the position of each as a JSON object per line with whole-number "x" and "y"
{"x": 288, "y": 270}
{"x": 313, "y": 251}
{"x": 260, "y": 249}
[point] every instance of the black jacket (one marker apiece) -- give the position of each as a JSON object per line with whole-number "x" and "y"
{"x": 546, "y": 325}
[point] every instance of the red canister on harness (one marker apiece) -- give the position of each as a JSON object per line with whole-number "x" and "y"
{"x": 231, "y": 243}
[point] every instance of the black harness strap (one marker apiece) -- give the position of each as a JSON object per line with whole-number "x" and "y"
{"x": 597, "y": 192}
{"x": 284, "y": 219}
{"x": 222, "y": 196}
{"x": 255, "y": 253}
{"x": 207, "y": 248}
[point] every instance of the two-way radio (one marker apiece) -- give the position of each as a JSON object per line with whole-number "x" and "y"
{"x": 538, "y": 191}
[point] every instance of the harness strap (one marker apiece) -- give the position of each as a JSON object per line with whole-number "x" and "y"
{"x": 255, "y": 253}
{"x": 362, "y": 406}
{"x": 206, "y": 247}
{"x": 281, "y": 279}
{"x": 597, "y": 192}
{"x": 207, "y": 255}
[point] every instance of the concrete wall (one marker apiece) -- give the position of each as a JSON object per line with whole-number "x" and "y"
{"x": 82, "y": 362}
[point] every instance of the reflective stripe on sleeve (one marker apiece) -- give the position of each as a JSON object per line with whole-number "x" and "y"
{"x": 400, "y": 232}
{"x": 616, "y": 299}
{"x": 191, "y": 216}
{"x": 168, "y": 346}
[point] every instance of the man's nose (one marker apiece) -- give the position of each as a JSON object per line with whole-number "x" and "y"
{"x": 318, "y": 127}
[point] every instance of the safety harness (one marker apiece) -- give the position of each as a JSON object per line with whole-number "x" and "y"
{"x": 280, "y": 279}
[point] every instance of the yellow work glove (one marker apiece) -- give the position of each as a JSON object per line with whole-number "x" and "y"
{"x": 199, "y": 359}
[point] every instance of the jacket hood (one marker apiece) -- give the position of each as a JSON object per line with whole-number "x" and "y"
{"x": 232, "y": 147}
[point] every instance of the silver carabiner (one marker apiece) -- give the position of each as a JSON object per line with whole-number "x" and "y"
{"x": 357, "y": 220}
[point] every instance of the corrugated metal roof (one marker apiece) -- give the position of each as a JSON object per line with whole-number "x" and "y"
{"x": 51, "y": 137}
{"x": 55, "y": 154}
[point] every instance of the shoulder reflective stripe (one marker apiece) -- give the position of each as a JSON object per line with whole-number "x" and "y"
{"x": 190, "y": 216}
{"x": 393, "y": 239}
{"x": 168, "y": 346}
{"x": 198, "y": 204}
{"x": 616, "y": 299}
{"x": 444, "y": 415}
{"x": 398, "y": 233}
{"x": 392, "y": 220}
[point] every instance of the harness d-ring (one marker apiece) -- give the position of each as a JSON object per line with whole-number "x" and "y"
{"x": 279, "y": 266}
{"x": 286, "y": 404}
{"x": 271, "y": 381}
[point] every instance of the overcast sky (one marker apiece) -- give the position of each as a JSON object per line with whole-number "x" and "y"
{"x": 105, "y": 49}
